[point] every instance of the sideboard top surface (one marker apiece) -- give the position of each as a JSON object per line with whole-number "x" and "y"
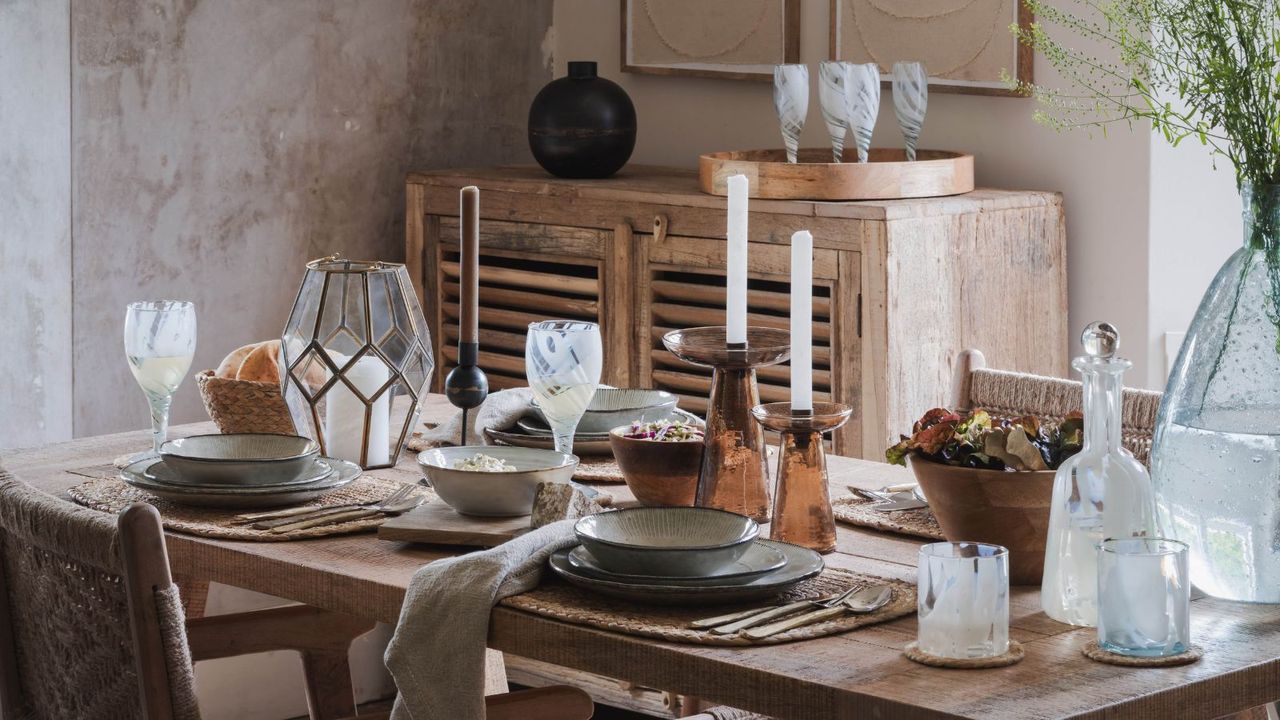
{"x": 679, "y": 187}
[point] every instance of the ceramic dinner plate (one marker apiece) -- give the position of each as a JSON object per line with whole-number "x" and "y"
{"x": 164, "y": 473}
{"x": 758, "y": 560}
{"x": 533, "y": 432}
{"x": 801, "y": 564}
{"x": 238, "y": 498}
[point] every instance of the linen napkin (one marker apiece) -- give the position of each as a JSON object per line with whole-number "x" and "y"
{"x": 500, "y": 411}
{"x": 437, "y": 653}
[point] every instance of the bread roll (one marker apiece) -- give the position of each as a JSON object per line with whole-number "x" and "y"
{"x": 262, "y": 364}
{"x": 230, "y": 366}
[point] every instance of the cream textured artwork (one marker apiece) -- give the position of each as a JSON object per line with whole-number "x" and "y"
{"x": 736, "y": 38}
{"x": 965, "y": 44}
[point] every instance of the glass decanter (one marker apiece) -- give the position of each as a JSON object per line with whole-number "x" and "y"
{"x": 1100, "y": 492}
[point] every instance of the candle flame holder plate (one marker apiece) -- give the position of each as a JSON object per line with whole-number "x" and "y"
{"x": 887, "y": 175}
{"x": 734, "y": 474}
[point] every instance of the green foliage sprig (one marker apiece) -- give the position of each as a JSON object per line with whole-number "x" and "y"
{"x": 1219, "y": 58}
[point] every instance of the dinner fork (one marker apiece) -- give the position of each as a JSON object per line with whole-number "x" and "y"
{"x": 280, "y": 517}
{"x": 866, "y": 600}
{"x": 733, "y": 622}
{"x": 397, "y": 508}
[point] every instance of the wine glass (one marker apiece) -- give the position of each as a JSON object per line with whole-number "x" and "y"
{"x": 562, "y": 360}
{"x": 159, "y": 340}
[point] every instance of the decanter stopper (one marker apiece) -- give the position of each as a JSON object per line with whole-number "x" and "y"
{"x": 1100, "y": 340}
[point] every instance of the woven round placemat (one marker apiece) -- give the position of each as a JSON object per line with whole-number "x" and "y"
{"x": 110, "y": 494}
{"x": 557, "y": 599}
{"x": 1013, "y": 656}
{"x": 1095, "y": 652}
{"x": 857, "y": 511}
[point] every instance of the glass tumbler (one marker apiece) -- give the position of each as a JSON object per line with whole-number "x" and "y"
{"x": 1144, "y": 597}
{"x": 963, "y": 600}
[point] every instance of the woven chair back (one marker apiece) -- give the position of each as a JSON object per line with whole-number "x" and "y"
{"x": 1012, "y": 394}
{"x": 68, "y": 646}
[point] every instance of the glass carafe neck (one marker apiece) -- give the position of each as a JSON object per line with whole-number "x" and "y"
{"x": 1261, "y": 216}
{"x": 1103, "y": 380}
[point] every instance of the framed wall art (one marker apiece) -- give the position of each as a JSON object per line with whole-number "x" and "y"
{"x": 734, "y": 39}
{"x": 966, "y": 45}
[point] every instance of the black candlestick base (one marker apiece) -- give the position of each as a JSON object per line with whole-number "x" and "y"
{"x": 466, "y": 386}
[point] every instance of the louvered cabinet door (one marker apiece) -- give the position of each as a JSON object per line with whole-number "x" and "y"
{"x": 681, "y": 284}
{"x": 528, "y": 272}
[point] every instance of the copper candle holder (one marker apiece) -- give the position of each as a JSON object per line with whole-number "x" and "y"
{"x": 802, "y": 507}
{"x": 735, "y": 474}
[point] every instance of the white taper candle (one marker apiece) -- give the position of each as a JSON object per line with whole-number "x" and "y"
{"x": 736, "y": 272}
{"x": 802, "y": 321}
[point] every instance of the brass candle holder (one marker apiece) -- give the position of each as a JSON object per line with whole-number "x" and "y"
{"x": 735, "y": 474}
{"x": 802, "y": 506}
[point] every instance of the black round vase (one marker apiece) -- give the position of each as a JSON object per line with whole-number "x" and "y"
{"x": 582, "y": 126}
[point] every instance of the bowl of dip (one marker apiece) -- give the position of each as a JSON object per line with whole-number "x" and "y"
{"x": 493, "y": 480}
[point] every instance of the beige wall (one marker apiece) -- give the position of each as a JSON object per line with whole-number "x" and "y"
{"x": 1104, "y": 180}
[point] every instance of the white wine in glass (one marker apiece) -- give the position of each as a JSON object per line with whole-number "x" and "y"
{"x": 159, "y": 341}
{"x": 562, "y": 362}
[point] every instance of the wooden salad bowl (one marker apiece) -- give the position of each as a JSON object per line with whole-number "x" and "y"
{"x": 658, "y": 473}
{"x": 992, "y": 506}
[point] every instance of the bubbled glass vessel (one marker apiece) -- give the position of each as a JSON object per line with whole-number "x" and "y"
{"x": 1216, "y": 459}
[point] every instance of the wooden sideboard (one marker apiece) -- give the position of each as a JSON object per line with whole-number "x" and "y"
{"x": 901, "y": 286}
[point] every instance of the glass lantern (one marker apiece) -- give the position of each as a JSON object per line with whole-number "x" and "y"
{"x": 358, "y": 357}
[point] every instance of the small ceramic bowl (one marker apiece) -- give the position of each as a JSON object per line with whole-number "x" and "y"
{"x": 240, "y": 458}
{"x": 611, "y": 407}
{"x": 674, "y": 541}
{"x": 494, "y": 494}
{"x": 659, "y": 473}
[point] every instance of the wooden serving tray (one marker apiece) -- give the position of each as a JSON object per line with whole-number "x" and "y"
{"x": 435, "y": 523}
{"x": 885, "y": 176}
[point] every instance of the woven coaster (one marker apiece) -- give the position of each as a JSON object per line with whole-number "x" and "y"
{"x": 857, "y": 511}
{"x": 1013, "y": 656}
{"x": 557, "y": 599}
{"x": 1094, "y": 652}
{"x": 110, "y": 494}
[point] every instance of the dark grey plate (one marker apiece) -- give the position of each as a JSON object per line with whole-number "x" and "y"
{"x": 240, "y": 498}
{"x": 759, "y": 559}
{"x": 164, "y": 473}
{"x": 802, "y": 564}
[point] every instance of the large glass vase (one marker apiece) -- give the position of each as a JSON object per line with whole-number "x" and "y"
{"x": 1216, "y": 459}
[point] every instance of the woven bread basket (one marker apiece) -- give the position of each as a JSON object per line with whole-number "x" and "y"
{"x": 244, "y": 406}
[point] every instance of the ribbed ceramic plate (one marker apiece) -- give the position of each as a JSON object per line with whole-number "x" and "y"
{"x": 802, "y": 564}
{"x": 518, "y": 438}
{"x": 758, "y": 560}
{"x": 232, "y": 497}
{"x": 164, "y": 473}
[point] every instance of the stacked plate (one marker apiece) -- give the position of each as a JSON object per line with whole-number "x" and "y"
{"x": 240, "y": 471}
{"x": 678, "y": 556}
{"x": 609, "y": 408}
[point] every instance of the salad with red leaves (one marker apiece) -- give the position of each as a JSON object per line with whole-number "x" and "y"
{"x": 665, "y": 431}
{"x": 976, "y": 439}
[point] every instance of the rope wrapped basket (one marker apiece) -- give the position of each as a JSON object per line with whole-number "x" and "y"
{"x": 244, "y": 406}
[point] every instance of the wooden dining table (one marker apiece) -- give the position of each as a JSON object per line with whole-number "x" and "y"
{"x": 859, "y": 674}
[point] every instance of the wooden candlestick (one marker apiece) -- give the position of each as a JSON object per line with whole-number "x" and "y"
{"x": 467, "y": 386}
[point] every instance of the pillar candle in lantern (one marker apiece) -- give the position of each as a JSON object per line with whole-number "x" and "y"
{"x": 345, "y": 414}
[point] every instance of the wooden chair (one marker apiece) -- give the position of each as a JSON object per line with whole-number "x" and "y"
{"x": 1012, "y": 394}
{"x": 92, "y": 626}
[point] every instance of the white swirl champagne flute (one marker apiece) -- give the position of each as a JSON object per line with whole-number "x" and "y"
{"x": 910, "y": 101}
{"x": 833, "y": 97}
{"x": 562, "y": 361}
{"x": 159, "y": 341}
{"x": 791, "y": 100}
{"x": 862, "y": 88}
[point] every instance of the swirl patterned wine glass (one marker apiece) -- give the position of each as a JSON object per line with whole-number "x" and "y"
{"x": 562, "y": 361}
{"x": 833, "y": 97}
{"x": 791, "y": 100}
{"x": 159, "y": 341}
{"x": 862, "y": 88}
{"x": 910, "y": 101}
